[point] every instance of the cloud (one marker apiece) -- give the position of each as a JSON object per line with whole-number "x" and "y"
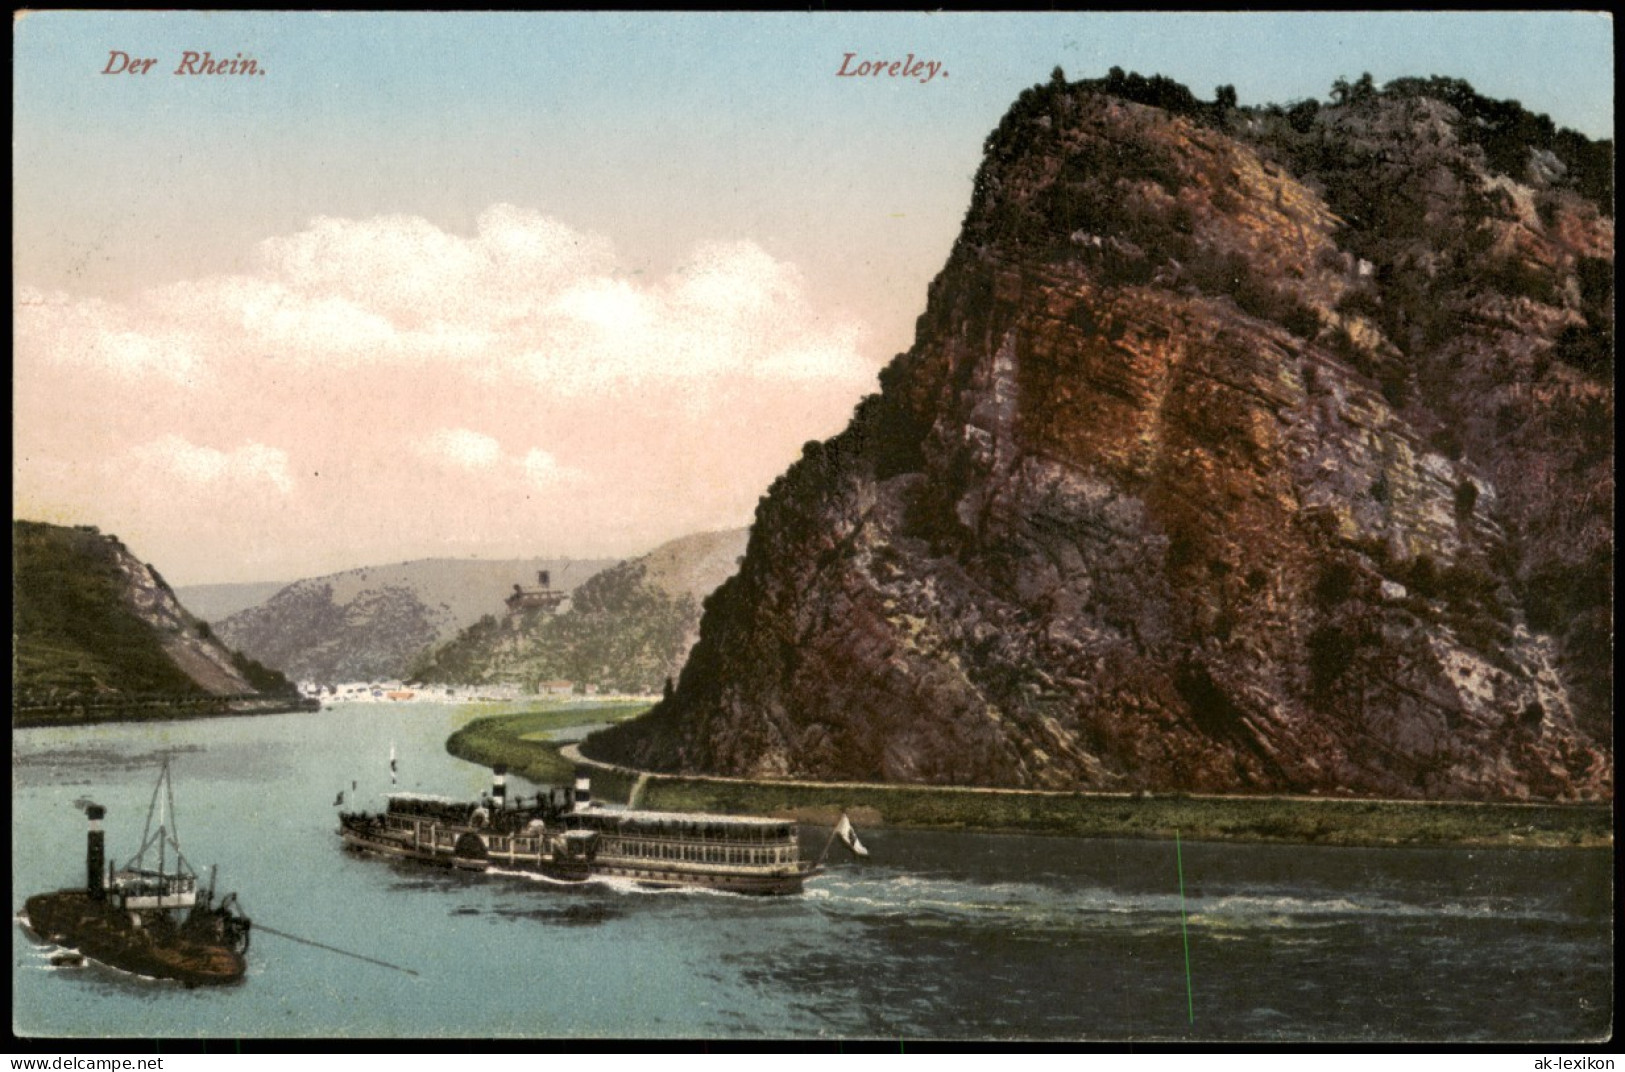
{"x": 543, "y": 469}
{"x": 463, "y": 448}
{"x": 112, "y": 338}
{"x": 408, "y": 270}
{"x": 252, "y": 466}
{"x": 433, "y": 386}
{"x": 322, "y": 326}
{"x": 467, "y": 451}
{"x": 524, "y": 295}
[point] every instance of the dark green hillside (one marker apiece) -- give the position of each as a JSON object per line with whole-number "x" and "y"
{"x": 74, "y": 632}
{"x": 97, "y": 634}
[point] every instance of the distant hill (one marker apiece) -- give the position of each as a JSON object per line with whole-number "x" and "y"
{"x": 627, "y": 629}
{"x": 97, "y": 631}
{"x": 695, "y": 565}
{"x": 371, "y": 623}
{"x": 213, "y": 602}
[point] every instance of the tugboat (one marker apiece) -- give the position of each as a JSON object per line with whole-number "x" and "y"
{"x": 148, "y": 920}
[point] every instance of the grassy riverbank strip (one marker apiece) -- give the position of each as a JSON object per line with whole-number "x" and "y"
{"x": 523, "y": 741}
{"x": 1295, "y": 820}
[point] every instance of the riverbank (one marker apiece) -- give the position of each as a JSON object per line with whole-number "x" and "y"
{"x": 524, "y": 742}
{"x": 1297, "y": 820}
{"x": 157, "y": 710}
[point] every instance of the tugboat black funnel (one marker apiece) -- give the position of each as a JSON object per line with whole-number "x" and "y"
{"x": 95, "y": 854}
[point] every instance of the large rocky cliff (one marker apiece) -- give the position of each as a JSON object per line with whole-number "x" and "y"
{"x": 1240, "y": 449}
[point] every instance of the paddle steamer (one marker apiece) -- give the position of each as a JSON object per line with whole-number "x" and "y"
{"x": 479, "y": 836}
{"x": 570, "y": 837}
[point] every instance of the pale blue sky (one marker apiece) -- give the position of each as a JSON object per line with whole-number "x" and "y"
{"x": 656, "y": 129}
{"x": 515, "y": 284}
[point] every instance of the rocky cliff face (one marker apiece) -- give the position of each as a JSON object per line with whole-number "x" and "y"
{"x": 93, "y": 623}
{"x": 1239, "y": 450}
{"x": 370, "y": 624}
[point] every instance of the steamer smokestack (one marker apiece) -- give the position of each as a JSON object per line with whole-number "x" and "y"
{"x": 499, "y": 787}
{"x": 583, "y": 790}
{"x": 95, "y": 854}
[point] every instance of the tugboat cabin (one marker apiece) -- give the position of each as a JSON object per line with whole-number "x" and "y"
{"x": 139, "y": 890}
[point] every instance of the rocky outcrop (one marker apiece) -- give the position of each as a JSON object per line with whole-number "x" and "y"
{"x": 372, "y": 623}
{"x": 95, "y": 626}
{"x": 1239, "y": 450}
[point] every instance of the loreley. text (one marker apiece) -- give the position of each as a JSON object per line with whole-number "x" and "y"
{"x": 119, "y": 62}
{"x": 920, "y": 70}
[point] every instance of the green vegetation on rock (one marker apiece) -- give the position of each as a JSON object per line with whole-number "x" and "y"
{"x": 620, "y": 633}
{"x": 99, "y": 636}
{"x": 74, "y": 632}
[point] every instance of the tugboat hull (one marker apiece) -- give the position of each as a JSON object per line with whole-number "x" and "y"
{"x": 158, "y": 950}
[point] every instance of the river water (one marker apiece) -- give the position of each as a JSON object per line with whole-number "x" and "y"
{"x": 937, "y": 935}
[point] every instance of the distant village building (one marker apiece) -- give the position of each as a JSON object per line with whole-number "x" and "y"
{"x": 544, "y": 595}
{"x": 555, "y": 688}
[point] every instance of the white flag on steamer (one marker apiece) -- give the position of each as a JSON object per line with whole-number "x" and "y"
{"x": 849, "y": 836}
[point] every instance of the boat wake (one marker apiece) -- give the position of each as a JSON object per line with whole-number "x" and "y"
{"x": 48, "y": 956}
{"x": 639, "y": 887}
{"x": 532, "y": 876}
{"x": 883, "y": 896}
